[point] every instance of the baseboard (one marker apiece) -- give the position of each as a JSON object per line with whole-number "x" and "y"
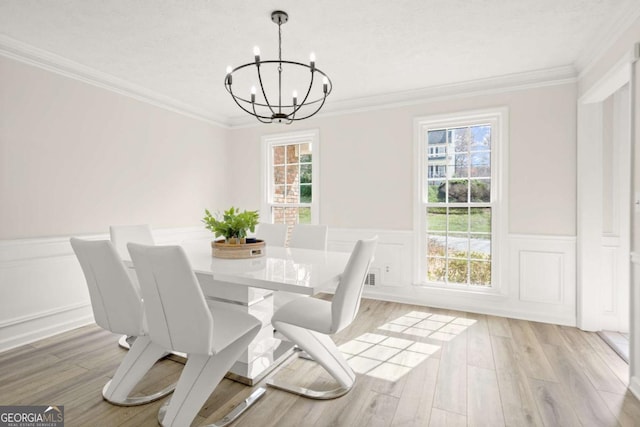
{"x": 492, "y": 305}
{"x": 27, "y": 329}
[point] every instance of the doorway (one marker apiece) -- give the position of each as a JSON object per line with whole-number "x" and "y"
{"x": 605, "y": 126}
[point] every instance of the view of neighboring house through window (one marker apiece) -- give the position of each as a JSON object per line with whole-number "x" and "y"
{"x": 458, "y": 204}
{"x": 291, "y": 181}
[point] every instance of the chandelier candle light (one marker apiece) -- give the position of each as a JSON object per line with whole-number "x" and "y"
{"x": 265, "y": 110}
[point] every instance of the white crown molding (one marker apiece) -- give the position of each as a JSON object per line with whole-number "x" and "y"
{"x": 23, "y": 52}
{"x": 598, "y": 46}
{"x": 488, "y": 86}
{"x": 40, "y": 58}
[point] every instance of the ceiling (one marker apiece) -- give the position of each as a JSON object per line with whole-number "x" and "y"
{"x": 370, "y": 48}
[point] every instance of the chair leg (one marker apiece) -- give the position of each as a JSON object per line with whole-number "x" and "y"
{"x": 136, "y": 363}
{"x": 200, "y": 376}
{"x": 324, "y": 351}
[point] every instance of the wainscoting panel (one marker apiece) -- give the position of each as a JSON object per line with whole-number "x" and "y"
{"x": 42, "y": 288}
{"x": 540, "y": 276}
{"x": 393, "y": 260}
{"x": 614, "y": 288}
{"x": 44, "y": 293}
{"x": 538, "y": 280}
{"x": 634, "y": 333}
{"x": 608, "y": 294}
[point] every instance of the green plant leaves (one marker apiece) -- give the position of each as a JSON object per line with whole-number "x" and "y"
{"x": 232, "y": 222}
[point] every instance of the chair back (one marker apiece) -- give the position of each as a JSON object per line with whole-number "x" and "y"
{"x": 272, "y": 234}
{"x": 307, "y": 236}
{"x": 346, "y": 300}
{"x": 117, "y": 304}
{"x": 123, "y": 234}
{"x": 177, "y": 314}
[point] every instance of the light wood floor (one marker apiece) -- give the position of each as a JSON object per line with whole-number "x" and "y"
{"x": 416, "y": 367}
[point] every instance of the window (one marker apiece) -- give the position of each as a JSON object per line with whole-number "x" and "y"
{"x": 459, "y": 210}
{"x": 291, "y": 177}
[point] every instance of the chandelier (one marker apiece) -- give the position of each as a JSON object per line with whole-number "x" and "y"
{"x": 262, "y": 103}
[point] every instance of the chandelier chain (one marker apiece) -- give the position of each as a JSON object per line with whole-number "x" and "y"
{"x": 280, "y": 66}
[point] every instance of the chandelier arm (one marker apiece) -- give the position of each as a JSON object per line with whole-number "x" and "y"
{"x": 292, "y": 116}
{"x": 302, "y": 104}
{"x": 263, "y": 92}
{"x": 235, "y": 99}
{"x": 307, "y": 95}
{"x": 272, "y": 61}
{"x": 314, "y": 113}
{"x": 259, "y": 117}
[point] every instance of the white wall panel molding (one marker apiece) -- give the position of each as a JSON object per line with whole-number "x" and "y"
{"x": 42, "y": 288}
{"x": 20, "y": 331}
{"x": 540, "y": 285}
{"x": 393, "y": 261}
{"x": 634, "y": 386}
{"x": 44, "y": 291}
{"x": 634, "y": 342}
{"x": 540, "y": 276}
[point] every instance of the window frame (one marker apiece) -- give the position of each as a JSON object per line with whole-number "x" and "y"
{"x": 498, "y": 118}
{"x": 267, "y": 142}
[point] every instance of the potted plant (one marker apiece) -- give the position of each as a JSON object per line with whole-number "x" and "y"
{"x": 233, "y": 225}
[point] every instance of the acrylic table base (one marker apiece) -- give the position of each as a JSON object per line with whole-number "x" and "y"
{"x": 265, "y": 352}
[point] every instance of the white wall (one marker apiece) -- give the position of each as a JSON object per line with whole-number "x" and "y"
{"x": 366, "y": 164}
{"x": 74, "y": 159}
{"x": 366, "y": 182}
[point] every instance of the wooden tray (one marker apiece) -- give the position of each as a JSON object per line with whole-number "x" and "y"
{"x": 221, "y": 249}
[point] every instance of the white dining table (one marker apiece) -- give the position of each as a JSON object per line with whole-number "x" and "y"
{"x": 249, "y": 284}
{"x": 302, "y": 271}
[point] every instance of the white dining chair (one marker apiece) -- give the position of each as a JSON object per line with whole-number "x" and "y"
{"x": 272, "y": 234}
{"x": 303, "y": 236}
{"x": 308, "y": 322}
{"x": 123, "y": 234}
{"x": 118, "y": 307}
{"x": 309, "y": 236}
{"x": 180, "y": 320}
